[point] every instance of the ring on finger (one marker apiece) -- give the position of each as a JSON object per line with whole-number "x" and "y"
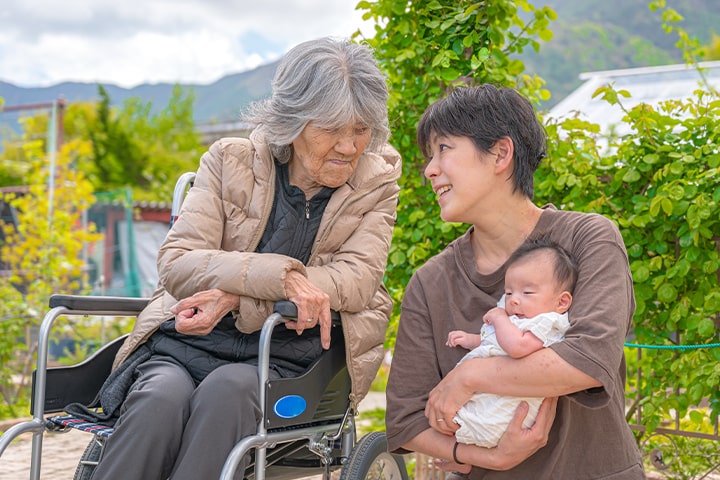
{"x": 310, "y": 320}
{"x": 440, "y": 420}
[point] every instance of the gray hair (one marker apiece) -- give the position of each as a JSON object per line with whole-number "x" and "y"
{"x": 333, "y": 83}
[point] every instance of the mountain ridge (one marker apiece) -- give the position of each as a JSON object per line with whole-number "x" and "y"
{"x": 219, "y": 101}
{"x": 588, "y": 36}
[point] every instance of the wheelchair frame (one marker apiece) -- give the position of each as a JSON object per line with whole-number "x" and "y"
{"x": 330, "y": 435}
{"x": 327, "y": 429}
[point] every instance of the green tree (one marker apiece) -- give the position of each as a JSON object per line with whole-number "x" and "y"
{"x": 660, "y": 184}
{"x": 426, "y": 48}
{"x": 132, "y": 147}
{"x": 41, "y": 255}
{"x": 712, "y": 50}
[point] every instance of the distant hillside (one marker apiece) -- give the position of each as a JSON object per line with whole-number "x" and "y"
{"x": 592, "y": 35}
{"x": 220, "y": 101}
{"x": 589, "y": 35}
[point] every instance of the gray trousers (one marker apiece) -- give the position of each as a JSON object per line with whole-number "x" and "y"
{"x": 168, "y": 428}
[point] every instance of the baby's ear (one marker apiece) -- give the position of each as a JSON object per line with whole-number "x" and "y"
{"x": 564, "y": 302}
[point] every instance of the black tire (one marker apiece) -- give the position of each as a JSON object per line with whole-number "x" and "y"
{"x": 90, "y": 458}
{"x": 370, "y": 460}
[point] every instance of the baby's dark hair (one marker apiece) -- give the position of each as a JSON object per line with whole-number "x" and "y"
{"x": 565, "y": 267}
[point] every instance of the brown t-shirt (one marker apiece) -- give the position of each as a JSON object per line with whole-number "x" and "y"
{"x": 590, "y": 438}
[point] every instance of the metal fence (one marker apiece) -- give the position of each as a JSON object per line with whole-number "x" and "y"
{"x": 664, "y": 446}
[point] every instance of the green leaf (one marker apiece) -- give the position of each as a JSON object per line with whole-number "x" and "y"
{"x": 706, "y": 328}
{"x": 696, "y": 417}
{"x": 676, "y": 192}
{"x": 545, "y": 34}
{"x": 447, "y": 24}
{"x": 631, "y": 176}
{"x": 677, "y": 168}
{"x": 712, "y": 302}
{"x": 655, "y": 205}
{"x": 667, "y": 293}
{"x": 667, "y": 206}
{"x": 397, "y": 258}
{"x": 641, "y": 274}
{"x": 651, "y": 158}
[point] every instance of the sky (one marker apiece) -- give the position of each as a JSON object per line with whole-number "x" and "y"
{"x": 131, "y": 42}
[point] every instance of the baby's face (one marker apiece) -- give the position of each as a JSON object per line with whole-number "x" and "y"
{"x": 530, "y": 288}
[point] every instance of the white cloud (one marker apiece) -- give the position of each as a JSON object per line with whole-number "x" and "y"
{"x": 43, "y": 42}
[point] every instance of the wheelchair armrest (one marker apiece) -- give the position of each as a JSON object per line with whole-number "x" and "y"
{"x": 93, "y": 303}
{"x": 58, "y": 386}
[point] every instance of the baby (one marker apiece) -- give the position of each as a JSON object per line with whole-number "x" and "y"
{"x": 532, "y": 314}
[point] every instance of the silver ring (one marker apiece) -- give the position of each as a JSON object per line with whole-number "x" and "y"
{"x": 440, "y": 419}
{"x": 310, "y": 320}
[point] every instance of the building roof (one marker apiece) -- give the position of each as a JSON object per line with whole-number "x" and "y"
{"x": 650, "y": 85}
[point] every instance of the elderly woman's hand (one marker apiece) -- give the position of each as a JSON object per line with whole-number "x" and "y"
{"x": 313, "y": 306}
{"x": 198, "y": 314}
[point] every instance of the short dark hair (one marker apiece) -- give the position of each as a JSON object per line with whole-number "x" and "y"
{"x": 565, "y": 267}
{"x": 485, "y": 114}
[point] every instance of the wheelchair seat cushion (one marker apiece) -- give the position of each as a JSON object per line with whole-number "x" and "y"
{"x": 71, "y": 421}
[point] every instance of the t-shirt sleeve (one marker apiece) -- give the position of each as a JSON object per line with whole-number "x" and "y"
{"x": 602, "y": 309}
{"x": 415, "y": 351}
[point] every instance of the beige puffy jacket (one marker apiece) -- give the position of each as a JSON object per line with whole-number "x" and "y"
{"x": 213, "y": 242}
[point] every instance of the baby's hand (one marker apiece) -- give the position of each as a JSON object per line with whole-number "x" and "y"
{"x": 493, "y": 314}
{"x": 455, "y": 338}
{"x": 459, "y": 338}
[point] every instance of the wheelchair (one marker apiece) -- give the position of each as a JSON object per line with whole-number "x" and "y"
{"x": 307, "y": 426}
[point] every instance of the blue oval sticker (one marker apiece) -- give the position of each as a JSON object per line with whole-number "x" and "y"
{"x": 290, "y": 406}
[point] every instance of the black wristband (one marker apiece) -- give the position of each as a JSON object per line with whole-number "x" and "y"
{"x": 455, "y": 459}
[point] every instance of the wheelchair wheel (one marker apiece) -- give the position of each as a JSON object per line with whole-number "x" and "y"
{"x": 89, "y": 459}
{"x": 370, "y": 460}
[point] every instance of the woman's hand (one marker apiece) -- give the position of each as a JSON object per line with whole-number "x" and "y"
{"x": 518, "y": 443}
{"x": 446, "y": 399}
{"x": 313, "y": 306}
{"x": 198, "y": 315}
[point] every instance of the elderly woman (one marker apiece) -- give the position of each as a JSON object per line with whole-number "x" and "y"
{"x": 303, "y": 211}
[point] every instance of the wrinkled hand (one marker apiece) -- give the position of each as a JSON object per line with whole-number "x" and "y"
{"x": 446, "y": 399}
{"x": 198, "y": 315}
{"x": 313, "y": 306}
{"x": 518, "y": 443}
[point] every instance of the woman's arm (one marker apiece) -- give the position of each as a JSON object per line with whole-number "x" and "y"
{"x": 349, "y": 263}
{"x": 541, "y": 374}
{"x": 515, "y": 446}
